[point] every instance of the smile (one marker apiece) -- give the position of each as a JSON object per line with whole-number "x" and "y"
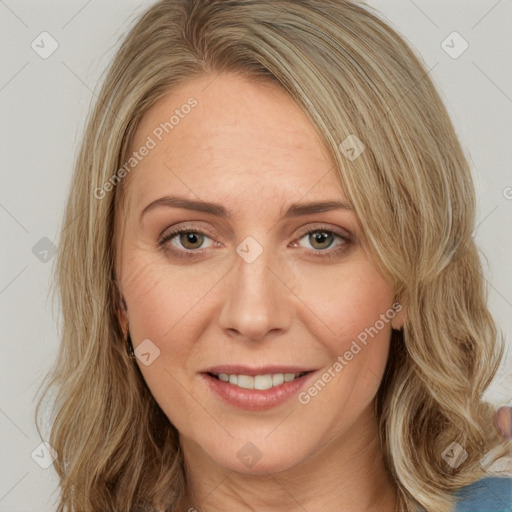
{"x": 259, "y": 382}
{"x": 255, "y": 389}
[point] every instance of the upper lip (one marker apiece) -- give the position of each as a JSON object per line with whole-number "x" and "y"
{"x": 238, "y": 369}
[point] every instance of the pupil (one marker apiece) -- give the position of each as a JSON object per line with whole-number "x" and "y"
{"x": 191, "y": 238}
{"x": 320, "y": 237}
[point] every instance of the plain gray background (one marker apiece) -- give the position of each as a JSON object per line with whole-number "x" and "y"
{"x": 44, "y": 103}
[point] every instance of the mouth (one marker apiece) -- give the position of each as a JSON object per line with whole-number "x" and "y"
{"x": 256, "y": 389}
{"x": 259, "y": 382}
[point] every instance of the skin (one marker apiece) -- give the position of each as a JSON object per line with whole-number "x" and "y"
{"x": 247, "y": 146}
{"x": 503, "y": 421}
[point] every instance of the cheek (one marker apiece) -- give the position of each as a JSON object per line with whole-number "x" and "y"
{"x": 352, "y": 319}
{"x": 345, "y": 302}
{"x": 168, "y": 306}
{"x": 165, "y": 302}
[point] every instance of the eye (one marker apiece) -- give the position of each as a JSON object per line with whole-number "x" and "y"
{"x": 322, "y": 240}
{"x": 189, "y": 242}
{"x": 184, "y": 239}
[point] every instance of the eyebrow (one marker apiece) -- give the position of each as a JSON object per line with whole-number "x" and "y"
{"x": 295, "y": 210}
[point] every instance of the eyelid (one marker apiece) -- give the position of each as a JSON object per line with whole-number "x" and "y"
{"x": 343, "y": 233}
{"x": 168, "y": 234}
{"x": 184, "y": 228}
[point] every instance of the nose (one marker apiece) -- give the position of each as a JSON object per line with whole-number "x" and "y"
{"x": 258, "y": 302}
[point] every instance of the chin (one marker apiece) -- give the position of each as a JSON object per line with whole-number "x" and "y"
{"x": 272, "y": 464}
{"x": 258, "y": 458}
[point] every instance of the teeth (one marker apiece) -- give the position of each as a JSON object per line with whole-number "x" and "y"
{"x": 277, "y": 379}
{"x": 245, "y": 381}
{"x": 260, "y": 382}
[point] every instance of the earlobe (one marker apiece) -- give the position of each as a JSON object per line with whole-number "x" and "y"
{"x": 122, "y": 316}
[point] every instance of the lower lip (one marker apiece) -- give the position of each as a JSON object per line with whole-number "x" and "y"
{"x": 255, "y": 399}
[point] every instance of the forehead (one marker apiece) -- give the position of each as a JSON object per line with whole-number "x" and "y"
{"x": 226, "y": 136}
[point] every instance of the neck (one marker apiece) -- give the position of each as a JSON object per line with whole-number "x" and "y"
{"x": 346, "y": 474}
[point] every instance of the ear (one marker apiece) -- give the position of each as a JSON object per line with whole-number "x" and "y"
{"x": 397, "y": 322}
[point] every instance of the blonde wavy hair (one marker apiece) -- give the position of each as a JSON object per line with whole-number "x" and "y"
{"x": 412, "y": 191}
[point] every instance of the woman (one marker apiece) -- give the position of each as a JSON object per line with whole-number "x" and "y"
{"x": 221, "y": 360}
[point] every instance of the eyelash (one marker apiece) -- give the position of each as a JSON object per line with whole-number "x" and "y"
{"x": 322, "y": 253}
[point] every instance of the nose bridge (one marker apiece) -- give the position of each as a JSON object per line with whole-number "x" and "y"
{"x": 256, "y": 301}
{"x": 252, "y": 267}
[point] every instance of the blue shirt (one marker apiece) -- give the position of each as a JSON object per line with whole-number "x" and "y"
{"x": 490, "y": 494}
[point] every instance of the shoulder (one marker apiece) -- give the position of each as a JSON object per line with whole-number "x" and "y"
{"x": 490, "y": 494}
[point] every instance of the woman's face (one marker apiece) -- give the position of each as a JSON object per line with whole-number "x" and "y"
{"x": 248, "y": 294}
